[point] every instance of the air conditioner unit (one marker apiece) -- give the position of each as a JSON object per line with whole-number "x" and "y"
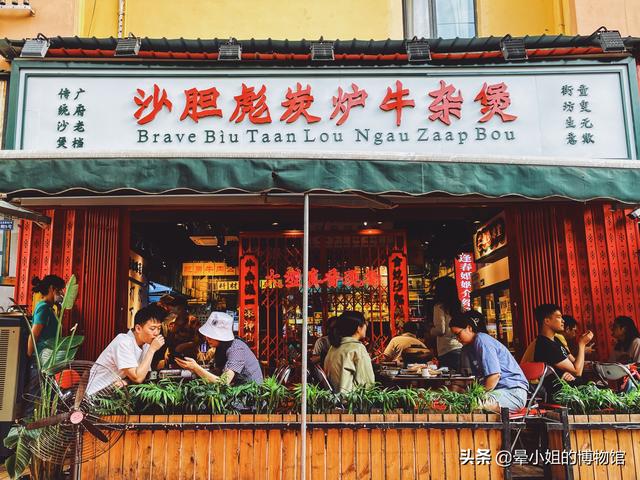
{"x": 12, "y": 370}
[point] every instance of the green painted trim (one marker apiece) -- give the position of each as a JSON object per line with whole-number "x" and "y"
{"x": 12, "y": 114}
{"x": 634, "y": 91}
{"x": 26, "y": 176}
{"x": 466, "y": 70}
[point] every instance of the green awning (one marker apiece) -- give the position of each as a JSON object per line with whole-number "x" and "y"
{"x": 25, "y": 174}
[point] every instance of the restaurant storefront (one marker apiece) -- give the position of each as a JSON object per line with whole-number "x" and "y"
{"x": 534, "y": 165}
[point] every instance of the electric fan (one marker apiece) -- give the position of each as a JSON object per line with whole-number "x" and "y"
{"x": 74, "y": 398}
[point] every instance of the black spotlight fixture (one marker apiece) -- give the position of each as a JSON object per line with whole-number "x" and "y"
{"x": 610, "y": 40}
{"x": 35, "y": 47}
{"x": 418, "y": 51}
{"x": 322, "y": 51}
{"x": 230, "y": 51}
{"x": 128, "y": 47}
{"x": 513, "y": 48}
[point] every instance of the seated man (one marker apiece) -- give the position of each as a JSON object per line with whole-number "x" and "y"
{"x": 129, "y": 355}
{"x": 550, "y": 350}
{"x": 568, "y": 338}
{"x": 408, "y": 341}
{"x": 493, "y": 364}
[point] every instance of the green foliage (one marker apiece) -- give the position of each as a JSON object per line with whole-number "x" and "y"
{"x": 272, "y": 396}
{"x": 164, "y": 395}
{"x": 18, "y": 439}
{"x": 448, "y": 401}
{"x": 119, "y": 403}
{"x": 70, "y": 295}
{"x": 319, "y": 400}
{"x": 586, "y": 399}
{"x": 57, "y": 352}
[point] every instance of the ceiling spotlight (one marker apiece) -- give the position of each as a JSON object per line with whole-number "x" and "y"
{"x": 275, "y": 224}
{"x": 635, "y": 214}
{"x": 513, "y": 48}
{"x": 476, "y": 222}
{"x": 322, "y": 51}
{"x": 418, "y": 51}
{"x": 230, "y": 51}
{"x": 365, "y": 223}
{"x": 128, "y": 47}
{"x": 379, "y": 223}
{"x": 35, "y": 47}
{"x": 610, "y": 40}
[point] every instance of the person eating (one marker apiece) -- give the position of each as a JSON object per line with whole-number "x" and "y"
{"x": 492, "y": 362}
{"x": 130, "y": 354}
{"x": 232, "y": 356}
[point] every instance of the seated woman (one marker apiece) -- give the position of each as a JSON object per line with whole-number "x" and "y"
{"x": 492, "y": 362}
{"x": 348, "y": 363}
{"x": 232, "y": 356}
{"x": 627, "y": 347}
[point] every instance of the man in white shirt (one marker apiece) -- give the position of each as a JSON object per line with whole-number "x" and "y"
{"x": 407, "y": 341}
{"x": 129, "y": 355}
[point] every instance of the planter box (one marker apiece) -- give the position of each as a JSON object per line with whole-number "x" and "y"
{"x": 581, "y": 435}
{"x": 268, "y": 447}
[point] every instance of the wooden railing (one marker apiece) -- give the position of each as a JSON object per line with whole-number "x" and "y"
{"x": 376, "y": 446}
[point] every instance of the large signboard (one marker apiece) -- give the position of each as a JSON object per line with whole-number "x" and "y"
{"x": 576, "y": 111}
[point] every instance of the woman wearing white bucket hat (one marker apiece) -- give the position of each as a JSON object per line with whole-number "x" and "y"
{"x": 233, "y": 356}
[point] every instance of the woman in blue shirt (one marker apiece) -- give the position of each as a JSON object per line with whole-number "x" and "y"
{"x": 490, "y": 360}
{"x": 44, "y": 324}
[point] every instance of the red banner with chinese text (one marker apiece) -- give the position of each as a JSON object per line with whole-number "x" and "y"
{"x": 248, "y": 301}
{"x": 398, "y": 290}
{"x": 465, "y": 266}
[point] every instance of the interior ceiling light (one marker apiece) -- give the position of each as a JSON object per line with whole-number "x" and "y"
{"x": 610, "y": 40}
{"x": 513, "y": 48}
{"x": 204, "y": 240}
{"x": 230, "y": 51}
{"x": 418, "y": 51}
{"x": 128, "y": 47}
{"x": 322, "y": 51}
{"x": 35, "y": 47}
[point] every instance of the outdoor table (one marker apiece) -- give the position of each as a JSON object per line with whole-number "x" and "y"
{"x": 435, "y": 382}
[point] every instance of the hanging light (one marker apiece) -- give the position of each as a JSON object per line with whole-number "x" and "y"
{"x": 513, "y": 48}
{"x": 230, "y": 51}
{"x": 128, "y": 47}
{"x": 35, "y": 47}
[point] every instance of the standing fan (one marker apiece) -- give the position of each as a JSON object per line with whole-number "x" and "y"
{"x": 74, "y": 409}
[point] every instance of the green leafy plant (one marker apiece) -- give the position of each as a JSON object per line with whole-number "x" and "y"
{"x": 586, "y": 399}
{"x": 118, "y": 403}
{"x": 319, "y": 400}
{"x": 201, "y": 396}
{"x": 164, "y": 395}
{"x": 56, "y": 352}
{"x": 272, "y": 396}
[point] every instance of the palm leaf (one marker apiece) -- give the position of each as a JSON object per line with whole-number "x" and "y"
{"x": 71, "y": 293}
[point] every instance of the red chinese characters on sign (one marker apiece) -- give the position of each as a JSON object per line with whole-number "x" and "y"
{"x": 293, "y": 278}
{"x": 251, "y": 104}
{"x": 394, "y": 100}
{"x": 249, "y": 299}
{"x": 344, "y": 102}
{"x": 465, "y": 266}
{"x": 398, "y": 290}
{"x": 494, "y": 100}
{"x": 157, "y": 100}
{"x": 350, "y": 278}
{"x": 445, "y": 103}
{"x": 297, "y": 103}
{"x": 201, "y": 103}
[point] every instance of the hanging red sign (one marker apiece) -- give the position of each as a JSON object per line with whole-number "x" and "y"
{"x": 398, "y": 290}
{"x": 249, "y": 300}
{"x": 465, "y": 266}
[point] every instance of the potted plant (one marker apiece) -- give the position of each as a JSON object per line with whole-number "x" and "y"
{"x": 57, "y": 352}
